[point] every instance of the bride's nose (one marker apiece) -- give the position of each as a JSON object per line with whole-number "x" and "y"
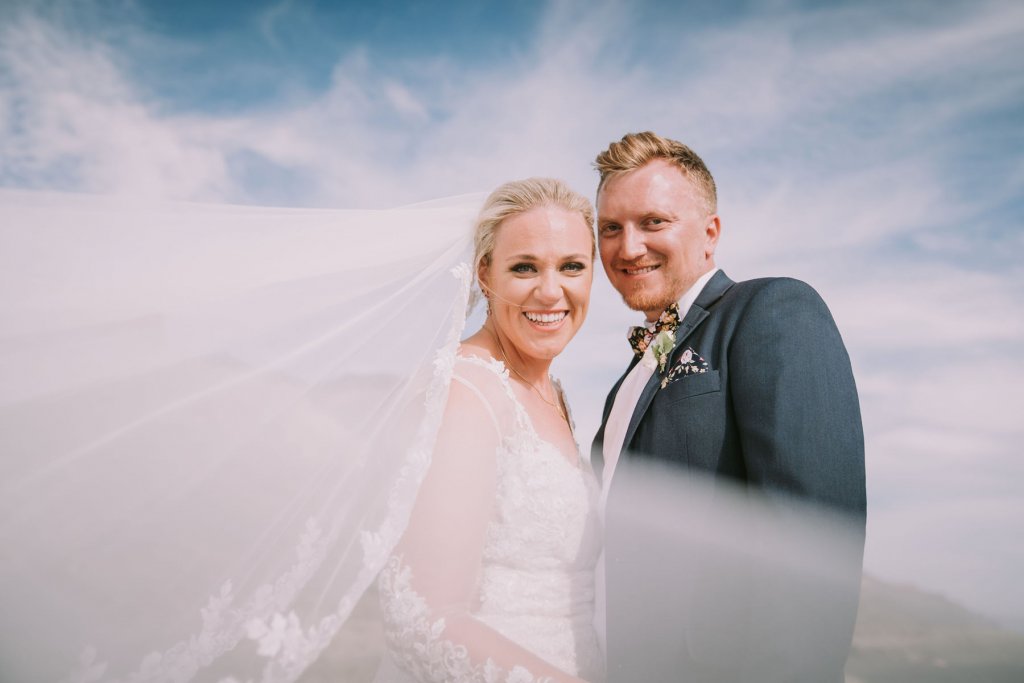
{"x": 549, "y": 289}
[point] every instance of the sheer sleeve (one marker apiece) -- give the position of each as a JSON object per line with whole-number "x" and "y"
{"x": 428, "y": 588}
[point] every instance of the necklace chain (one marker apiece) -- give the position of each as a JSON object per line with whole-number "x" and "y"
{"x": 530, "y": 384}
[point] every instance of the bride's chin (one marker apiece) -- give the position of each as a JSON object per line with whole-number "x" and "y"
{"x": 551, "y": 351}
{"x": 537, "y": 350}
{"x": 545, "y": 345}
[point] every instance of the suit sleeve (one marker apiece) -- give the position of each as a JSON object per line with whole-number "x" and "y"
{"x": 800, "y": 432}
{"x": 795, "y": 400}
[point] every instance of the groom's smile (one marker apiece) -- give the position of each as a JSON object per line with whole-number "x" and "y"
{"x": 637, "y": 271}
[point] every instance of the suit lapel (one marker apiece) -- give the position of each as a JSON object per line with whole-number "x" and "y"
{"x": 712, "y": 292}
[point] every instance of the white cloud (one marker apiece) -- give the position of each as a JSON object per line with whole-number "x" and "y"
{"x": 403, "y": 101}
{"x": 920, "y": 307}
{"x": 966, "y": 36}
{"x": 269, "y": 19}
{"x": 71, "y": 115}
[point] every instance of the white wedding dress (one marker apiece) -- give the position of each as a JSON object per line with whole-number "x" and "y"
{"x": 496, "y": 571}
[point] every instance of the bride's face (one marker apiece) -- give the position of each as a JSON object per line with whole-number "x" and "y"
{"x": 539, "y": 280}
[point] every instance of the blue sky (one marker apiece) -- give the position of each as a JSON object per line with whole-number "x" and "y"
{"x": 875, "y": 151}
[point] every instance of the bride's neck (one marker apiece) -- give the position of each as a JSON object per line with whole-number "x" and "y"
{"x": 533, "y": 370}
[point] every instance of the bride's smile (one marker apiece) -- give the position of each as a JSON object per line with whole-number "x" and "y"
{"x": 546, "y": 318}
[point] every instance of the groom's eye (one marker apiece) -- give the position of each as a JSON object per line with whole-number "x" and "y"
{"x": 609, "y": 228}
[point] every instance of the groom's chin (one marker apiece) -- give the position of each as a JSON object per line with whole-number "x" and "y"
{"x": 644, "y": 301}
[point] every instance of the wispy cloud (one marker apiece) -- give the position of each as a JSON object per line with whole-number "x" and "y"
{"x": 74, "y": 121}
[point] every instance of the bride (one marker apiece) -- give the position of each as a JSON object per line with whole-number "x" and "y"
{"x": 221, "y": 424}
{"x": 494, "y": 577}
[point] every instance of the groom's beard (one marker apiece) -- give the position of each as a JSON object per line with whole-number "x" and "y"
{"x": 643, "y": 298}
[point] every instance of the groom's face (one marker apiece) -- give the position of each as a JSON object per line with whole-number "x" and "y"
{"x": 655, "y": 235}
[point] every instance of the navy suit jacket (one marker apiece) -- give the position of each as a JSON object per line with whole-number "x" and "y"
{"x": 776, "y": 411}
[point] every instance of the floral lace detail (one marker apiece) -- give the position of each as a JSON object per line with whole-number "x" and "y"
{"x": 223, "y": 626}
{"x": 289, "y": 647}
{"x": 287, "y": 663}
{"x": 416, "y": 642}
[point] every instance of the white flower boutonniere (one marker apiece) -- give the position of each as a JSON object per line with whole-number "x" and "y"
{"x": 661, "y": 346}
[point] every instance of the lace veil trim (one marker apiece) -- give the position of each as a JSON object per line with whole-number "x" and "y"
{"x": 168, "y": 352}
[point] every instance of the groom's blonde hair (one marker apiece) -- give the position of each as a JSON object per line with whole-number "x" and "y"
{"x": 519, "y": 196}
{"x": 636, "y": 149}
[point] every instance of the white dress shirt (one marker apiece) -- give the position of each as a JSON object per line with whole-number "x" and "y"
{"x": 629, "y": 394}
{"x": 615, "y": 433}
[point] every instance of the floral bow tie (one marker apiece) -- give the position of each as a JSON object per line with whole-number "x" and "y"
{"x": 640, "y": 336}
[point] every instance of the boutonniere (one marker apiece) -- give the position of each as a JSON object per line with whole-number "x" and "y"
{"x": 658, "y": 351}
{"x": 689, "y": 363}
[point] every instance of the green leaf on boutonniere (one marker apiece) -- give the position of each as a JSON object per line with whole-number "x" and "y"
{"x": 662, "y": 346}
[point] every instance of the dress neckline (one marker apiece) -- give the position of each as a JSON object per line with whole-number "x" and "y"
{"x": 499, "y": 368}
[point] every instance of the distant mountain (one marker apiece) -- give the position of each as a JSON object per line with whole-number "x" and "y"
{"x": 905, "y": 635}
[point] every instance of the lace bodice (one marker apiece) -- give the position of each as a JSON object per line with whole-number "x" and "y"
{"x": 499, "y": 586}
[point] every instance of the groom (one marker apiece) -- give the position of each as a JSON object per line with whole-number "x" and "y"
{"x": 745, "y": 383}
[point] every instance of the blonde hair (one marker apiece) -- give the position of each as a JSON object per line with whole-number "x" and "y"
{"x": 519, "y": 196}
{"x": 636, "y": 149}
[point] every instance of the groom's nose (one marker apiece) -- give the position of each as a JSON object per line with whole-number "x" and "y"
{"x": 632, "y": 245}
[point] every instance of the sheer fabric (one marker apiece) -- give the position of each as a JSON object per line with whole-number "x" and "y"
{"x": 214, "y": 424}
{"x": 494, "y": 578}
{"x": 214, "y": 421}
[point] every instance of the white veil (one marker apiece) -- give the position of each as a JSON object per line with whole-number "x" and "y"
{"x": 212, "y": 424}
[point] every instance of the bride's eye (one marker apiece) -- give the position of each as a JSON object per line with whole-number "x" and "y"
{"x": 574, "y": 266}
{"x": 523, "y": 268}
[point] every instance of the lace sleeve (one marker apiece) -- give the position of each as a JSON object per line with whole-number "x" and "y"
{"x": 428, "y": 587}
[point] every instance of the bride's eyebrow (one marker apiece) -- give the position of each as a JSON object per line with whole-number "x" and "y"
{"x": 530, "y": 258}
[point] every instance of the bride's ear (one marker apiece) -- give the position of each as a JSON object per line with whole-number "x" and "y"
{"x": 485, "y": 285}
{"x": 481, "y": 277}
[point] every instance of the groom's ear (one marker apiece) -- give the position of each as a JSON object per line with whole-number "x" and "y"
{"x": 712, "y": 230}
